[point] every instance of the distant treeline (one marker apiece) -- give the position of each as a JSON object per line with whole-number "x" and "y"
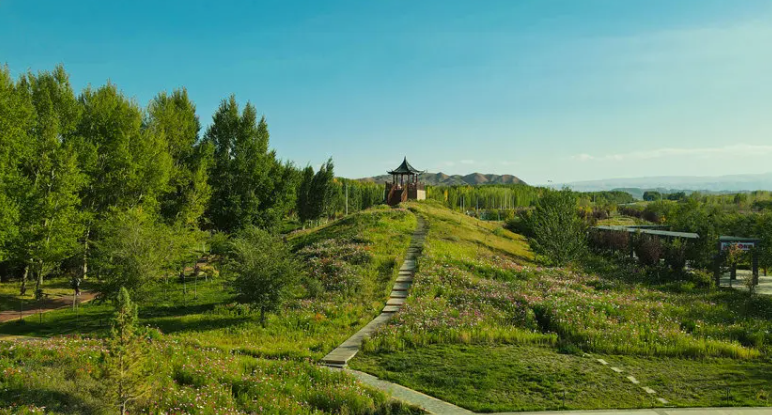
{"x": 494, "y": 198}
{"x": 485, "y": 197}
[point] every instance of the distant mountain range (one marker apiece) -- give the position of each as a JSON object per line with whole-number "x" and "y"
{"x": 713, "y": 184}
{"x": 435, "y": 179}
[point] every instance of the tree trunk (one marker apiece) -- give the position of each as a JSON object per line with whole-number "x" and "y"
{"x": 39, "y": 283}
{"x": 84, "y": 267}
{"x": 262, "y": 316}
{"x": 23, "y": 289}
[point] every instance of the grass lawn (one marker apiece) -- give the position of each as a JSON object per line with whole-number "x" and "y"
{"x": 497, "y": 378}
{"x": 479, "y": 296}
{"x": 209, "y": 354}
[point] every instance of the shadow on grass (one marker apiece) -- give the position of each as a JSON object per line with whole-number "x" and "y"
{"x": 199, "y": 323}
{"x": 52, "y": 400}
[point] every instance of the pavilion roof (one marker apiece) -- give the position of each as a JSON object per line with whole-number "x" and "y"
{"x": 405, "y": 168}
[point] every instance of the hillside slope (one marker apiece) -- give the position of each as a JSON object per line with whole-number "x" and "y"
{"x": 489, "y": 329}
{"x": 209, "y": 354}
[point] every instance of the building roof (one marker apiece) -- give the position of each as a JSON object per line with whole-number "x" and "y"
{"x": 686, "y": 235}
{"x": 725, "y": 238}
{"x": 405, "y": 168}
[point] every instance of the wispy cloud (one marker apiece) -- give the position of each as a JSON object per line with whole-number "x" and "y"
{"x": 741, "y": 150}
{"x": 467, "y": 162}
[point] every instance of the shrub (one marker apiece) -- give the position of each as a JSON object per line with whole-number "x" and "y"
{"x": 265, "y": 269}
{"x": 648, "y": 250}
{"x": 675, "y": 255}
{"x": 558, "y": 233}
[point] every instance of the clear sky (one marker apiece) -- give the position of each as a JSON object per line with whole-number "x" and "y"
{"x": 543, "y": 89}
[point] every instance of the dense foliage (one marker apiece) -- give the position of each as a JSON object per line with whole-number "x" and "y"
{"x": 93, "y": 184}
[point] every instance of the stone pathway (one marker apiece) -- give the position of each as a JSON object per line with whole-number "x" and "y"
{"x": 339, "y": 357}
{"x": 632, "y": 380}
{"x": 427, "y": 403}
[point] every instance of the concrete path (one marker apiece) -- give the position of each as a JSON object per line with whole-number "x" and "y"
{"x": 425, "y": 402}
{"x": 339, "y": 357}
{"x": 764, "y": 287}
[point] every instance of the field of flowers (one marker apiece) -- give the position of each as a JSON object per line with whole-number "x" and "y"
{"x": 62, "y": 375}
{"x": 210, "y": 354}
{"x": 477, "y": 285}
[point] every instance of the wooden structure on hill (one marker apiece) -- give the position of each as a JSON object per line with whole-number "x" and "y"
{"x": 404, "y": 185}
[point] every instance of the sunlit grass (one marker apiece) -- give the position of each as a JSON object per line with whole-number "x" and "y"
{"x": 211, "y": 354}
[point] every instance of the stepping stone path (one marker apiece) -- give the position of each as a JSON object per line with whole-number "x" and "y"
{"x": 632, "y": 380}
{"x": 339, "y": 357}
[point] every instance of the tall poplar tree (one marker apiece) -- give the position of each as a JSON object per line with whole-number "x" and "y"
{"x": 50, "y": 178}
{"x": 173, "y": 116}
{"x": 249, "y": 185}
{"x": 303, "y": 204}
{"x": 126, "y": 165}
{"x": 16, "y": 116}
{"x": 321, "y": 190}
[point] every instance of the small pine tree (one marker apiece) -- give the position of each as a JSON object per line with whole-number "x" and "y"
{"x": 125, "y": 370}
{"x": 558, "y": 232}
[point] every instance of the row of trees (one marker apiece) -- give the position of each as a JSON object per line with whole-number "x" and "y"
{"x": 95, "y": 180}
{"x": 489, "y": 197}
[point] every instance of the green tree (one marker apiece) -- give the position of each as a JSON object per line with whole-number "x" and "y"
{"x": 173, "y": 117}
{"x": 264, "y": 270}
{"x": 321, "y": 190}
{"x": 126, "y": 165}
{"x": 651, "y": 196}
{"x": 303, "y": 204}
{"x": 49, "y": 178}
{"x": 131, "y": 252}
{"x": 558, "y": 232}
{"x": 16, "y": 118}
{"x": 125, "y": 373}
{"x": 250, "y": 186}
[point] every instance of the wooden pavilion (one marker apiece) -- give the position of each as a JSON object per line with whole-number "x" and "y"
{"x": 404, "y": 185}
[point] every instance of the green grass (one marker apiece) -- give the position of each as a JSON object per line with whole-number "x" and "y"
{"x": 493, "y": 378}
{"x": 478, "y": 288}
{"x": 496, "y": 378}
{"x": 210, "y": 354}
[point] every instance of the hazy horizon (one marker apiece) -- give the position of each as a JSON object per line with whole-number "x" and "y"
{"x": 559, "y": 90}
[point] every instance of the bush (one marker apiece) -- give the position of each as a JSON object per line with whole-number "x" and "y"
{"x": 649, "y": 250}
{"x": 675, "y": 255}
{"x": 265, "y": 269}
{"x": 558, "y": 232}
{"x": 520, "y": 225}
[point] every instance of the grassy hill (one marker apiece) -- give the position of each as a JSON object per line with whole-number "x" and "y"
{"x": 487, "y": 328}
{"x": 436, "y": 179}
{"x": 208, "y": 353}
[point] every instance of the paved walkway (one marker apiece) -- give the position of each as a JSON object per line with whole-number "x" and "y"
{"x": 764, "y": 287}
{"x": 52, "y": 303}
{"x": 342, "y": 354}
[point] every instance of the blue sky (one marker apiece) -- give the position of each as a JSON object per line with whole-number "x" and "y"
{"x": 543, "y": 89}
